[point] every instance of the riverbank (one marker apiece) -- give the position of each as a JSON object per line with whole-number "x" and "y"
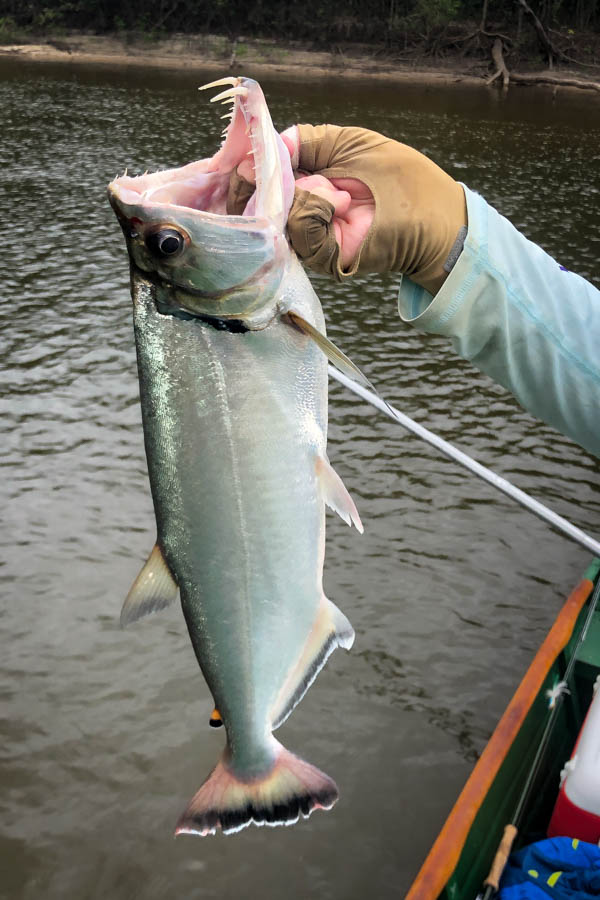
{"x": 260, "y": 57}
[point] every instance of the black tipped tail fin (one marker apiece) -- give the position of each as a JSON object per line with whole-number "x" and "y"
{"x": 292, "y": 788}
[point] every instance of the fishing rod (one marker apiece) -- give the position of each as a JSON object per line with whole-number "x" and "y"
{"x": 463, "y": 459}
{"x": 492, "y": 882}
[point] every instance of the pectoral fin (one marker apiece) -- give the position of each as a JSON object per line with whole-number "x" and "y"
{"x": 335, "y": 493}
{"x": 153, "y": 589}
{"x": 333, "y": 353}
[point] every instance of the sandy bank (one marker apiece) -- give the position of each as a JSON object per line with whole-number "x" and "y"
{"x": 263, "y": 58}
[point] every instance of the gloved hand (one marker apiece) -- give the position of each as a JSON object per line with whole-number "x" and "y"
{"x": 369, "y": 204}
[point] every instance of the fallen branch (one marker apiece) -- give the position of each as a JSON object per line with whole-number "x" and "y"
{"x": 558, "y": 80}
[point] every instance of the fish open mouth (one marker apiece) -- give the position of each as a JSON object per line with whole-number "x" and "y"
{"x": 202, "y": 261}
{"x": 203, "y": 186}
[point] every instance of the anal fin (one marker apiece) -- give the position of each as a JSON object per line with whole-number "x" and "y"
{"x": 336, "y": 495}
{"x": 331, "y": 629}
{"x": 153, "y": 589}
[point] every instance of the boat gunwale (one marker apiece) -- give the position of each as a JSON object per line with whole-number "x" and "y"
{"x": 445, "y": 853}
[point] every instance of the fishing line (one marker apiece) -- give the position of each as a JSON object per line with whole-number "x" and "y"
{"x": 463, "y": 459}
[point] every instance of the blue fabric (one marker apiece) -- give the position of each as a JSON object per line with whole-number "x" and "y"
{"x": 561, "y": 868}
{"x": 521, "y": 318}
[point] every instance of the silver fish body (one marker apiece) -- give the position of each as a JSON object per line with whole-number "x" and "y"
{"x": 234, "y": 424}
{"x": 234, "y": 410}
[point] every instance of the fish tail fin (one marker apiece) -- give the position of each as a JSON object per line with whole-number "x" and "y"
{"x": 290, "y": 788}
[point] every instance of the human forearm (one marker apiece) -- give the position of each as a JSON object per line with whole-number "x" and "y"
{"x": 522, "y": 319}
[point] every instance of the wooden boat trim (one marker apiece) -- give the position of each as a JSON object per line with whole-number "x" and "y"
{"x": 445, "y": 853}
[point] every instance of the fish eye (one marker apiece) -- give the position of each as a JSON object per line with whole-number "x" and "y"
{"x": 166, "y": 243}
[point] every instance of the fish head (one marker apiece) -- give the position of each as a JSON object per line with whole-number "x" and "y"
{"x": 200, "y": 260}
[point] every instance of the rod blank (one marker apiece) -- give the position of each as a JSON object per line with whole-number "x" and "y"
{"x": 501, "y": 484}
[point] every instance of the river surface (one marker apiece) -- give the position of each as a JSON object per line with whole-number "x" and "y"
{"x": 451, "y": 589}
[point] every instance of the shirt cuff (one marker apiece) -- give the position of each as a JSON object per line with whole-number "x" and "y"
{"x": 433, "y": 313}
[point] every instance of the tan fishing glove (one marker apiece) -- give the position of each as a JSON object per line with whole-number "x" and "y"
{"x": 419, "y": 209}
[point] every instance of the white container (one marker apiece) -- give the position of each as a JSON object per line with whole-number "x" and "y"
{"x": 577, "y": 809}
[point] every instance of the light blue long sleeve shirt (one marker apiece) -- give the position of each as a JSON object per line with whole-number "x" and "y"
{"x": 521, "y": 318}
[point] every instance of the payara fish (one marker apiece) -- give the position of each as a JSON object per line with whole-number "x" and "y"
{"x": 232, "y": 365}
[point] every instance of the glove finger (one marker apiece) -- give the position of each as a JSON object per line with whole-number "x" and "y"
{"x": 311, "y": 232}
{"x": 238, "y": 195}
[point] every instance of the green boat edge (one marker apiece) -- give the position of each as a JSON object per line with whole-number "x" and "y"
{"x": 497, "y": 805}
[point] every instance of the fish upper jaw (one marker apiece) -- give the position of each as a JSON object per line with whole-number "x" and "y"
{"x": 251, "y": 127}
{"x": 177, "y": 228}
{"x": 202, "y": 186}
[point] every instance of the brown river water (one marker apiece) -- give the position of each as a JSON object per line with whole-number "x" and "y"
{"x": 105, "y": 732}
